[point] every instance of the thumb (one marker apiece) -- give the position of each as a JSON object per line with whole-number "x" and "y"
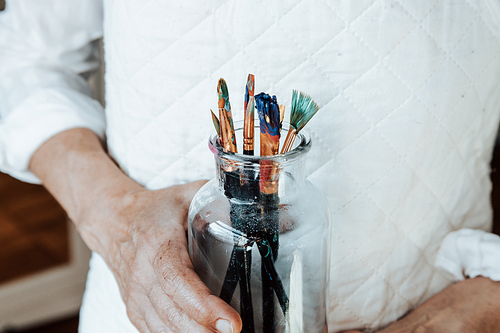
{"x": 190, "y": 189}
{"x": 186, "y": 289}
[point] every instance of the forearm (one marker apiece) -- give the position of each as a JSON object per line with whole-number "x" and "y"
{"x": 91, "y": 188}
{"x": 141, "y": 235}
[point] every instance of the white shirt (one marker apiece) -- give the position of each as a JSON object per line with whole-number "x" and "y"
{"x": 409, "y": 93}
{"x": 45, "y": 50}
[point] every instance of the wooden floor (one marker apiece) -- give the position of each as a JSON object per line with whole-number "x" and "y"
{"x": 33, "y": 234}
{"x": 69, "y": 325}
{"x": 33, "y": 230}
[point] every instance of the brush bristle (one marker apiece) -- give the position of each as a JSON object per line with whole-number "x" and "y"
{"x": 303, "y": 109}
{"x": 269, "y": 114}
{"x": 215, "y": 120}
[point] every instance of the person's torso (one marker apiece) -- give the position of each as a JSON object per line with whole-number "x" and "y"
{"x": 409, "y": 95}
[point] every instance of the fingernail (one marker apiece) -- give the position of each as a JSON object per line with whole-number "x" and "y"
{"x": 223, "y": 326}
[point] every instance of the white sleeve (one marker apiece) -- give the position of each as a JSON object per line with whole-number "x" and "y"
{"x": 470, "y": 253}
{"x": 47, "y": 49}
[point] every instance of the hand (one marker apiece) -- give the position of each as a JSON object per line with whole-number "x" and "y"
{"x": 141, "y": 235}
{"x": 161, "y": 291}
{"x": 469, "y": 306}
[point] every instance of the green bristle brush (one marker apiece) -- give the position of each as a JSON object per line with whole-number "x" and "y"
{"x": 302, "y": 110}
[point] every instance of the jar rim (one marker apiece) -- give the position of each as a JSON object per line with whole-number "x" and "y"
{"x": 302, "y": 145}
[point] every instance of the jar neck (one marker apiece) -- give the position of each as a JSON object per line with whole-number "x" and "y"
{"x": 245, "y": 177}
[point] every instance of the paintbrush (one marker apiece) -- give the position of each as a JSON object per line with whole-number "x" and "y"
{"x": 303, "y": 109}
{"x": 248, "y": 123}
{"x": 270, "y": 117}
{"x": 270, "y": 127}
{"x": 249, "y": 185}
{"x": 238, "y": 270}
{"x": 270, "y": 130}
{"x": 270, "y": 124}
{"x": 226, "y": 119}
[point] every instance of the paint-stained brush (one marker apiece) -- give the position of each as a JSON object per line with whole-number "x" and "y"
{"x": 226, "y": 119}
{"x": 270, "y": 131}
{"x": 248, "y": 123}
{"x": 270, "y": 128}
{"x": 303, "y": 109}
{"x": 270, "y": 123}
{"x": 238, "y": 271}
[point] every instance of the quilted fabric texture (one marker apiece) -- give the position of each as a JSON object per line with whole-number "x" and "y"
{"x": 410, "y": 99}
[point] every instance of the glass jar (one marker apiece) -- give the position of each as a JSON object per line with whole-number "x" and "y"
{"x": 259, "y": 238}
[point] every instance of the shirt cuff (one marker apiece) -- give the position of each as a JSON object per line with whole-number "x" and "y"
{"x": 470, "y": 253}
{"x": 40, "y": 117}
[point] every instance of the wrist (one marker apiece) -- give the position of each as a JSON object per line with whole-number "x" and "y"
{"x": 74, "y": 167}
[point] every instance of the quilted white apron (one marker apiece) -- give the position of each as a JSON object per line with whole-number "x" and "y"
{"x": 410, "y": 99}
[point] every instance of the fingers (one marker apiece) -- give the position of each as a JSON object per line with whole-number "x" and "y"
{"x": 136, "y": 314}
{"x": 154, "y": 312}
{"x": 191, "y": 295}
{"x": 167, "y": 295}
{"x": 167, "y": 316}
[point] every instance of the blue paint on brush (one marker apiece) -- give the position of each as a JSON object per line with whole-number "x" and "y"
{"x": 269, "y": 115}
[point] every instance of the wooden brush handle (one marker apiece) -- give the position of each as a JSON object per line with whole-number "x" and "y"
{"x": 290, "y": 138}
